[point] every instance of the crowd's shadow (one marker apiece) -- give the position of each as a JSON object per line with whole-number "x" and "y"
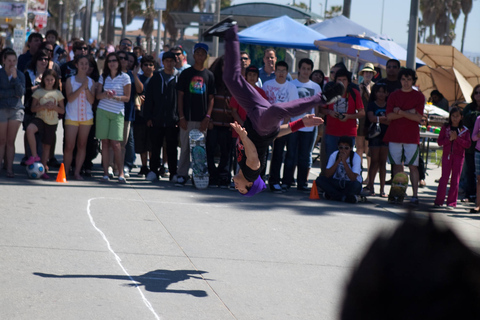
{"x": 153, "y": 281}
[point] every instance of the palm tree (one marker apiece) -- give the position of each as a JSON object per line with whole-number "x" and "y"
{"x": 466, "y": 9}
{"x": 148, "y": 26}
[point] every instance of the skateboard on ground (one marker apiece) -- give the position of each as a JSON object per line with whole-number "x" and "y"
{"x": 398, "y": 188}
{"x": 198, "y": 153}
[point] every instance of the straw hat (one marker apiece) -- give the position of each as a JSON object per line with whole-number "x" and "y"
{"x": 368, "y": 67}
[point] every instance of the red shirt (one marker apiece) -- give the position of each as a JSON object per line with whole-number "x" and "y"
{"x": 338, "y": 128}
{"x": 404, "y": 130}
{"x": 241, "y": 112}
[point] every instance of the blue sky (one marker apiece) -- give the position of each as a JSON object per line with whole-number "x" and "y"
{"x": 395, "y": 20}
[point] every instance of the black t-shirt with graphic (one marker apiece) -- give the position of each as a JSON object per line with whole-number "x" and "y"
{"x": 196, "y": 87}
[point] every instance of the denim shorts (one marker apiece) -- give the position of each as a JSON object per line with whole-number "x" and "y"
{"x": 7, "y": 114}
{"x": 477, "y": 162}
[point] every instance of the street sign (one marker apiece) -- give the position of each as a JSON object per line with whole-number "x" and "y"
{"x": 160, "y": 5}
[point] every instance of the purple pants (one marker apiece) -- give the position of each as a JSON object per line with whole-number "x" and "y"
{"x": 454, "y": 167}
{"x": 265, "y": 117}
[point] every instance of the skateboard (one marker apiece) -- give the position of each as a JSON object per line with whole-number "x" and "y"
{"x": 199, "y": 159}
{"x": 398, "y": 188}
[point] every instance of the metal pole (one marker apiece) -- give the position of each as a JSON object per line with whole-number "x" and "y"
{"x": 159, "y": 34}
{"x": 381, "y": 24}
{"x": 124, "y": 27}
{"x": 347, "y": 4}
{"x": 412, "y": 34}
{"x": 88, "y": 18}
{"x": 216, "y": 20}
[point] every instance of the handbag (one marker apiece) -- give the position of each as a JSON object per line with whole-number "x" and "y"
{"x": 374, "y": 130}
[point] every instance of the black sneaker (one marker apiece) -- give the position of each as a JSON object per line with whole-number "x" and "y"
{"x": 143, "y": 171}
{"x": 333, "y": 92}
{"x": 303, "y": 189}
{"x": 351, "y": 199}
{"x": 53, "y": 163}
{"x": 220, "y": 28}
{"x": 180, "y": 181}
{"x": 276, "y": 188}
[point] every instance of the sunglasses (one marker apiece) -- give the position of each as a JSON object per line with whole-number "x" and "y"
{"x": 148, "y": 64}
{"x": 477, "y": 92}
{"x": 244, "y": 59}
{"x": 343, "y": 148}
{"x": 126, "y": 44}
{"x": 82, "y": 48}
{"x": 177, "y": 54}
{"x": 43, "y": 59}
{"x": 112, "y": 61}
{"x": 123, "y": 58}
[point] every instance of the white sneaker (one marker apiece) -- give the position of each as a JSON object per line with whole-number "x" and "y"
{"x": 110, "y": 172}
{"x": 126, "y": 172}
{"x": 151, "y": 176}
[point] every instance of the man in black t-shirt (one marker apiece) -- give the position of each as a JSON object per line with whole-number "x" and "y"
{"x": 196, "y": 90}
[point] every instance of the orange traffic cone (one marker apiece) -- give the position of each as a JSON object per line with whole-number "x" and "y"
{"x": 314, "y": 192}
{"x": 61, "y": 174}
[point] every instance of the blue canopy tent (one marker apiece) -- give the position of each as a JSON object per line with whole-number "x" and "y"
{"x": 341, "y": 26}
{"x": 280, "y": 32}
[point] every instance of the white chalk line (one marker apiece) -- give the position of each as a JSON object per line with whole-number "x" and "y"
{"x": 119, "y": 260}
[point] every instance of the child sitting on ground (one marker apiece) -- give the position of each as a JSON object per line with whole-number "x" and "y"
{"x": 343, "y": 179}
{"x": 47, "y": 103}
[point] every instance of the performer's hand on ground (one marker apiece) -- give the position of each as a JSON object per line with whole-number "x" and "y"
{"x": 311, "y": 121}
{"x": 182, "y": 123}
{"x": 239, "y": 129}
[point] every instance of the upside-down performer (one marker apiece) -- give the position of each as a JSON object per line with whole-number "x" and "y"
{"x": 262, "y": 125}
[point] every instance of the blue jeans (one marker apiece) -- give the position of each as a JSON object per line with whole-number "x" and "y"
{"x": 332, "y": 144}
{"x": 339, "y": 190}
{"x": 299, "y": 153}
{"x": 130, "y": 150}
{"x": 277, "y": 159}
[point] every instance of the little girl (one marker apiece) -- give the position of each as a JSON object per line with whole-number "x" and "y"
{"x": 79, "y": 115}
{"x": 47, "y": 102}
{"x": 454, "y": 138}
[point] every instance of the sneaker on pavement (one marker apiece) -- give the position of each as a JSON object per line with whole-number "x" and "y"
{"x": 126, "y": 172}
{"x": 180, "y": 181}
{"x": 351, "y": 199}
{"x": 333, "y": 93}
{"x": 151, "y": 176}
{"x": 304, "y": 189}
{"x": 143, "y": 171}
{"x": 110, "y": 172}
{"x": 414, "y": 200}
{"x": 276, "y": 188}
{"x": 220, "y": 28}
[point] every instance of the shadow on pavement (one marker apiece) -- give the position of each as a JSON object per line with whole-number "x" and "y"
{"x": 153, "y": 281}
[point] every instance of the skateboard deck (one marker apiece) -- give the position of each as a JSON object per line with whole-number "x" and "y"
{"x": 398, "y": 188}
{"x": 198, "y": 153}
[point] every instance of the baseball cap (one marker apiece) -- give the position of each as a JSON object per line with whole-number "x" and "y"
{"x": 252, "y": 69}
{"x": 257, "y": 187}
{"x": 168, "y": 55}
{"x": 200, "y": 45}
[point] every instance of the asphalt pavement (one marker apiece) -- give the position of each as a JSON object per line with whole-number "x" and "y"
{"x": 93, "y": 250}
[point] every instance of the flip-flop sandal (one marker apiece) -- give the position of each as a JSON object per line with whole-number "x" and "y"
{"x": 122, "y": 180}
{"x": 105, "y": 179}
{"x": 383, "y": 195}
